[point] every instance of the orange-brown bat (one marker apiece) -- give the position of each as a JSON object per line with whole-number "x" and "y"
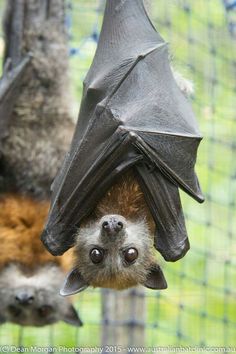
{"x": 30, "y": 277}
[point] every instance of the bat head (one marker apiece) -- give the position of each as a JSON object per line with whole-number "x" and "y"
{"x": 116, "y": 253}
{"x": 34, "y": 300}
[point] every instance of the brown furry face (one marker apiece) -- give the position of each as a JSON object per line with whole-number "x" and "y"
{"x": 114, "y": 247}
{"x": 114, "y": 259}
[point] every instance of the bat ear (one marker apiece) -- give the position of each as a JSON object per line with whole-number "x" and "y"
{"x": 74, "y": 283}
{"x": 155, "y": 279}
{"x": 72, "y": 317}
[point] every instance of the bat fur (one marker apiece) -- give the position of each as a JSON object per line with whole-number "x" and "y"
{"x": 30, "y": 277}
{"x": 41, "y": 124}
{"x": 39, "y": 134}
{"x": 125, "y": 203}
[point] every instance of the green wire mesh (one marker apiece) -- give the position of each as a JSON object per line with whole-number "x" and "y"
{"x": 199, "y": 307}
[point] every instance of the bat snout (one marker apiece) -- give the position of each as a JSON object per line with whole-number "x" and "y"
{"x": 24, "y": 298}
{"x": 112, "y": 224}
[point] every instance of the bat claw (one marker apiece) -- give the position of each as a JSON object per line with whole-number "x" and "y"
{"x": 133, "y": 136}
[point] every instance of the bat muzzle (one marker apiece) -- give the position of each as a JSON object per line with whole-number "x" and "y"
{"x": 112, "y": 225}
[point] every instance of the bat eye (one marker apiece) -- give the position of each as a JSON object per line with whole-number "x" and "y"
{"x": 130, "y": 255}
{"x": 96, "y": 255}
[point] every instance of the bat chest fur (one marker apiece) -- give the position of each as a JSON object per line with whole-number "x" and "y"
{"x": 126, "y": 198}
{"x": 21, "y": 223}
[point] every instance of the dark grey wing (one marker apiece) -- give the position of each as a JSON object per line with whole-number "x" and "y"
{"x": 100, "y": 149}
{"x": 132, "y": 112}
{"x": 162, "y": 196}
{"x": 67, "y": 211}
{"x": 150, "y": 105}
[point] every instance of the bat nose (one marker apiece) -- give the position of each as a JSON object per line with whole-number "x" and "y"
{"x": 23, "y": 298}
{"x": 112, "y": 224}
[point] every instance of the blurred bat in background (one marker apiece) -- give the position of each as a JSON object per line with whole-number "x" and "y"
{"x": 30, "y": 278}
{"x": 35, "y": 131}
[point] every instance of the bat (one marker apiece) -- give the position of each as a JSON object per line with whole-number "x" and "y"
{"x": 114, "y": 246}
{"x": 35, "y": 121}
{"x": 133, "y": 117}
{"x": 32, "y": 101}
{"x": 30, "y": 278}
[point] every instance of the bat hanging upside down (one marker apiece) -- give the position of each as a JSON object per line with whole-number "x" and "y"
{"x": 30, "y": 278}
{"x": 137, "y": 135}
{"x": 115, "y": 245}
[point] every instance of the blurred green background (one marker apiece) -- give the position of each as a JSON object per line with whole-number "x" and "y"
{"x": 199, "y": 307}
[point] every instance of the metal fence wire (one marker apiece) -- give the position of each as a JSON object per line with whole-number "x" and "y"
{"x": 199, "y": 307}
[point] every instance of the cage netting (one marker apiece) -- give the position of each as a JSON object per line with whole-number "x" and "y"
{"x": 199, "y": 307}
